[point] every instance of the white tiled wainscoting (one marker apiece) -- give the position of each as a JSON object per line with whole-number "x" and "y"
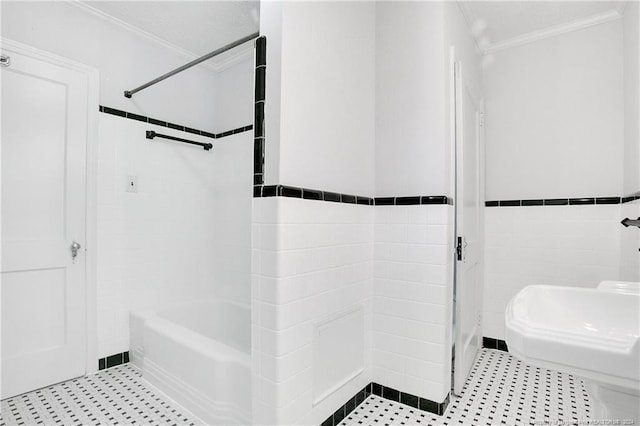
{"x": 413, "y": 258}
{"x": 367, "y": 287}
{"x": 312, "y": 264}
{"x": 630, "y": 244}
{"x": 575, "y": 245}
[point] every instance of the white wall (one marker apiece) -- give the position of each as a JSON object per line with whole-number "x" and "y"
{"x": 271, "y": 27}
{"x": 327, "y": 96}
{"x": 411, "y": 157}
{"x": 554, "y": 116}
{"x": 630, "y": 238}
{"x": 234, "y": 85}
{"x": 186, "y": 234}
{"x": 631, "y": 44}
{"x": 125, "y": 61}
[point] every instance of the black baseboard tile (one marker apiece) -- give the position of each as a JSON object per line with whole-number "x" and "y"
{"x": 390, "y": 394}
{"x": 346, "y": 409}
{"x": 113, "y": 360}
{"x": 491, "y": 343}
{"x": 386, "y": 392}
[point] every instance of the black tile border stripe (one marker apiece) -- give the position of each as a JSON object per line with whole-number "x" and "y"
{"x": 386, "y": 392}
{"x": 260, "y": 77}
{"x": 161, "y": 123}
{"x": 265, "y": 191}
{"x": 631, "y": 197}
{"x": 491, "y": 343}
{"x": 113, "y": 360}
{"x": 563, "y": 201}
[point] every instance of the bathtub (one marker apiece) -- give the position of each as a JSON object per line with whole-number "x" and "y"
{"x": 199, "y": 355}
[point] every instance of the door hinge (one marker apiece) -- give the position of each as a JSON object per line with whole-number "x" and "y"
{"x": 459, "y": 248}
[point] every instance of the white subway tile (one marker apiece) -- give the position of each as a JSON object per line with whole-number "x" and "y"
{"x": 280, "y": 369}
{"x": 437, "y": 234}
{"x": 438, "y": 214}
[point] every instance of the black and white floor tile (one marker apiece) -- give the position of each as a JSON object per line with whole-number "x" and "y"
{"x": 500, "y": 391}
{"x": 117, "y": 395}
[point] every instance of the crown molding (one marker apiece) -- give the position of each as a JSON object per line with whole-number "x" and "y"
{"x": 187, "y": 54}
{"x": 470, "y": 18}
{"x": 556, "y": 30}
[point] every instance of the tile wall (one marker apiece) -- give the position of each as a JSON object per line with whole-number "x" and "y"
{"x": 170, "y": 241}
{"x": 412, "y": 299}
{"x": 573, "y": 245}
{"x": 630, "y": 243}
{"x": 311, "y": 260}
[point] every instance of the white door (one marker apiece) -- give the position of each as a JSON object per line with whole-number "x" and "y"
{"x": 44, "y": 134}
{"x": 468, "y": 280}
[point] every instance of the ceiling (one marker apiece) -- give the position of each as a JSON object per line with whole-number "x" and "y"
{"x": 195, "y": 27}
{"x": 199, "y": 27}
{"x": 497, "y": 22}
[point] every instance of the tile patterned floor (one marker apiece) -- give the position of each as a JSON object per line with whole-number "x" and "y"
{"x": 500, "y": 390}
{"x": 114, "y": 396}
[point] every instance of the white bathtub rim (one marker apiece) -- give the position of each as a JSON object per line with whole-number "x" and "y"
{"x": 154, "y": 310}
{"x": 196, "y": 341}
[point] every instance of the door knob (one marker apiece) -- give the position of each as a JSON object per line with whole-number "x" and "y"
{"x": 74, "y": 250}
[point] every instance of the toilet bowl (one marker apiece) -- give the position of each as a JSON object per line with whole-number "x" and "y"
{"x": 593, "y": 334}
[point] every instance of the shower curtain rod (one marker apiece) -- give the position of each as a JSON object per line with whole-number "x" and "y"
{"x": 129, "y": 93}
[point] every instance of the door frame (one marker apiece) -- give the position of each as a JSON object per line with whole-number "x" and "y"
{"x": 454, "y": 69}
{"x": 91, "y": 207}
